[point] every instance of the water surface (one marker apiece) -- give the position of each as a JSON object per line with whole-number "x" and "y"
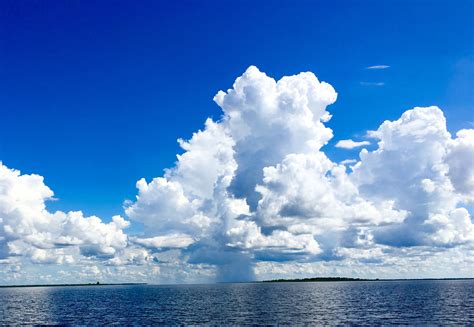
{"x": 400, "y": 302}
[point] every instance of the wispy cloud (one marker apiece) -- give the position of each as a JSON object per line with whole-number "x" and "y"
{"x": 372, "y": 83}
{"x": 378, "y": 67}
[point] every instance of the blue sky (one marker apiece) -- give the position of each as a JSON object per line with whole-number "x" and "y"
{"x": 317, "y": 138}
{"x": 94, "y": 96}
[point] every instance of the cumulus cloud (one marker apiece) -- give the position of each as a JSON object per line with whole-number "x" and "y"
{"x": 269, "y": 119}
{"x": 211, "y": 194}
{"x": 350, "y": 144}
{"x": 269, "y": 192}
{"x": 414, "y": 167}
{"x": 255, "y": 192}
{"x": 28, "y": 229}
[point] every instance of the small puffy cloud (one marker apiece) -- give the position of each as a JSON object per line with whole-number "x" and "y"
{"x": 51, "y": 256}
{"x": 350, "y": 144}
{"x": 455, "y": 227}
{"x": 348, "y": 161}
{"x": 248, "y": 236}
{"x": 162, "y": 205}
{"x": 131, "y": 255}
{"x": 94, "y": 237}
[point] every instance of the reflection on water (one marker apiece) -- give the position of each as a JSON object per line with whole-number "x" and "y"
{"x": 405, "y": 302}
{"x": 32, "y": 305}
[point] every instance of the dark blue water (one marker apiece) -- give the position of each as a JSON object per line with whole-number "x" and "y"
{"x": 404, "y": 302}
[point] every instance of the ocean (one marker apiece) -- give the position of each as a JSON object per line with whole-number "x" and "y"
{"x": 329, "y": 303}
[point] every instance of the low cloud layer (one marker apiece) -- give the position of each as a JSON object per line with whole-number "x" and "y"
{"x": 254, "y": 195}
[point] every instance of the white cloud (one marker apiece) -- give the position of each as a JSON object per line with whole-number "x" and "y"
{"x": 348, "y": 161}
{"x": 51, "y": 256}
{"x": 274, "y": 195}
{"x": 350, "y": 144}
{"x": 453, "y": 228}
{"x": 173, "y": 241}
{"x": 414, "y": 166}
{"x": 460, "y": 160}
{"x": 372, "y": 83}
{"x": 248, "y": 236}
{"x": 256, "y": 189}
{"x": 163, "y": 206}
{"x": 378, "y": 67}
{"x": 213, "y": 183}
{"x": 131, "y": 256}
{"x": 268, "y": 119}
{"x": 28, "y": 229}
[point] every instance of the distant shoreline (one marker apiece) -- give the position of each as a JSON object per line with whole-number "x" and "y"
{"x": 70, "y": 285}
{"x": 301, "y": 280}
{"x": 346, "y": 279}
{"x": 318, "y": 279}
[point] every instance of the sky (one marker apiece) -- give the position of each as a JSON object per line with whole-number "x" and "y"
{"x": 361, "y": 166}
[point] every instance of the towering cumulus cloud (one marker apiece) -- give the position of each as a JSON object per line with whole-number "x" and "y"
{"x": 256, "y": 187}
{"x": 254, "y": 195}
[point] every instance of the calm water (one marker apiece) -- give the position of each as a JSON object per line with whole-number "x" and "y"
{"x": 406, "y": 302}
